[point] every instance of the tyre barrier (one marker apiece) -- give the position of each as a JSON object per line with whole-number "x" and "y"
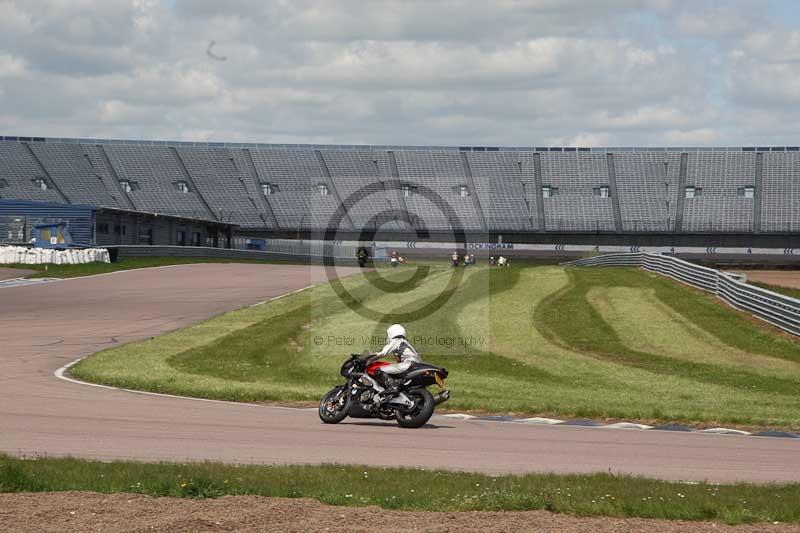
{"x": 20, "y": 255}
{"x": 777, "y": 309}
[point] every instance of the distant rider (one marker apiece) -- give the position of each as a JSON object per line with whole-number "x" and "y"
{"x": 402, "y": 350}
{"x": 362, "y": 257}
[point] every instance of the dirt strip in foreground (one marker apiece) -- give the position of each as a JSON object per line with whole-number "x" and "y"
{"x": 88, "y": 511}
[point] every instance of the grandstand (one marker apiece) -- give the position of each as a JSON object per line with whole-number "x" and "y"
{"x": 520, "y": 193}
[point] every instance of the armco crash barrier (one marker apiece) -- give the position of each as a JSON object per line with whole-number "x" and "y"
{"x": 777, "y": 309}
{"x": 19, "y": 255}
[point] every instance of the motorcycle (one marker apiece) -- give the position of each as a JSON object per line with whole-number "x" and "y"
{"x": 362, "y": 396}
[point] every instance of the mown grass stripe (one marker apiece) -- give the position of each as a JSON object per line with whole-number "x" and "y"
{"x": 558, "y": 314}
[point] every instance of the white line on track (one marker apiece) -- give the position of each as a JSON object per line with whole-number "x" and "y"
{"x": 284, "y": 295}
{"x": 24, "y": 282}
{"x": 137, "y": 269}
{"x": 61, "y": 373}
{"x": 33, "y": 281}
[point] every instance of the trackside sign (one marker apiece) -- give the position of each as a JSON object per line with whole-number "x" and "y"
{"x": 490, "y": 246}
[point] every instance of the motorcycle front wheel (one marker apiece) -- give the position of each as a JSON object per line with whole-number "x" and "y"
{"x": 335, "y": 405}
{"x": 422, "y": 411}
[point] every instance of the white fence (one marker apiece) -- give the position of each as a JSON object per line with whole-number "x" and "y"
{"x": 777, "y": 309}
{"x": 19, "y": 255}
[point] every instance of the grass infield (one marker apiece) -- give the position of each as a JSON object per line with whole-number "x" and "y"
{"x": 604, "y": 343}
{"x": 409, "y": 489}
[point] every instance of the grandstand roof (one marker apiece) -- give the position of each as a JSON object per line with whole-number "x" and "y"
{"x": 71, "y": 140}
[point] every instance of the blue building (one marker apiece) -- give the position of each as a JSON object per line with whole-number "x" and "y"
{"x": 103, "y": 226}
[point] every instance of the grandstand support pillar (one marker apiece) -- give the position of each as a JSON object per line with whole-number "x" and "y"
{"x": 94, "y": 228}
{"x": 45, "y": 173}
{"x": 251, "y": 166}
{"x": 114, "y": 175}
{"x": 612, "y": 189}
{"x": 228, "y": 237}
{"x": 332, "y": 188}
{"x": 398, "y": 184}
{"x": 681, "y": 193}
{"x": 473, "y": 192}
{"x": 757, "y": 190}
{"x": 188, "y": 177}
{"x": 537, "y": 194}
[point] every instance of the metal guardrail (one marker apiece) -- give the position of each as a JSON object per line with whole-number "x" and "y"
{"x": 689, "y": 273}
{"x": 779, "y": 310}
{"x": 618, "y": 259}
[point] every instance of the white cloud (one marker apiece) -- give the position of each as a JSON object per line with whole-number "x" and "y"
{"x": 513, "y": 72}
{"x": 695, "y": 137}
{"x": 601, "y": 138}
{"x": 116, "y": 111}
{"x": 764, "y": 70}
{"x": 12, "y": 67}
{"x": 14, "y": 19}
{"x": 715, "y": 22}
{"x": 652, "y": 117}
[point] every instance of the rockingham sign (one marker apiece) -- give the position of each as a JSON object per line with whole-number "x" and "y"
{"x": 490, "y": 246}
{"x": 346, "y": 248}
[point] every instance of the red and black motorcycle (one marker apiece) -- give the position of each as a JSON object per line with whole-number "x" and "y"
{"x": 363, "y": 396}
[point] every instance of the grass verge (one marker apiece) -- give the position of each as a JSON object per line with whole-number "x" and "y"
{"x": 410, "y": 489}
{"x": 89, "y": 269}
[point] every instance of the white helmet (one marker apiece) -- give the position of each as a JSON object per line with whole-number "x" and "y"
{"x": 395, "y": 330}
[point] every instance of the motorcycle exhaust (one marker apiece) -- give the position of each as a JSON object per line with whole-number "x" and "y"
{"x": 441, "y": 397}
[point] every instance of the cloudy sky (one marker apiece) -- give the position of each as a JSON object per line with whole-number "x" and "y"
{"x": 454, "y": 72}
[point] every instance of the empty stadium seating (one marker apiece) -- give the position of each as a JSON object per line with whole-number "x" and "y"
{"x": 689, "y": 190}
{"x": 648, "y": 189}
{"x": 502, "y": 180}
{"x": 576, "y": 207}
{"x": 218, "y": 180}
{"x": 781, "y": 192}
{"x": 74, "y": 176}
{"x": 366, "y": 186}
{"x": 154, "y": 173}
{"x": 720, "y": 176}
{"x": 438, "y": 176}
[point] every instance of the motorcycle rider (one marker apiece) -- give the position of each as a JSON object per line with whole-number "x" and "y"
{"x": 405, "y": 354}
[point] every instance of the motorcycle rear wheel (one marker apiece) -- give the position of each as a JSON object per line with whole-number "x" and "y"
{"x": 422, "y": 411}
{"x": 335, "y": 405}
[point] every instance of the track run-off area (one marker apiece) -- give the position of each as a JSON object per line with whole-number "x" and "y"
{"x": 46, "y": 326}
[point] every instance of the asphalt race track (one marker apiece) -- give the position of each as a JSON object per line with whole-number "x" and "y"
{"x": 45, "y": 326}
{"x": 11, "y": 273}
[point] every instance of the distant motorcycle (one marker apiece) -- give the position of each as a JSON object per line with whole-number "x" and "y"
{"x": 362, "y": 396}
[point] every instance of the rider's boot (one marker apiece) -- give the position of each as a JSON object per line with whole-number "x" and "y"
{"x": 391, "y": 385}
